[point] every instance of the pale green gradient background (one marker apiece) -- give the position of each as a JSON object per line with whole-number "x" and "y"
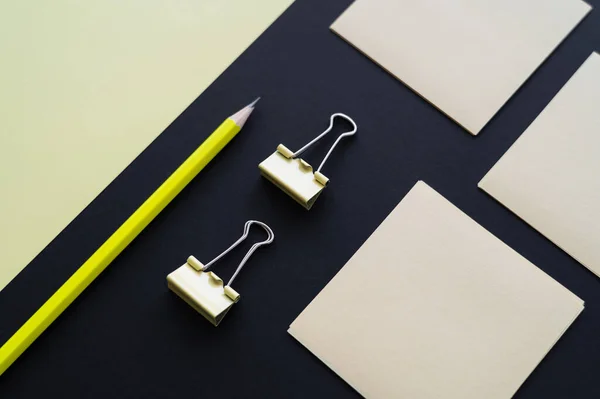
{"x": 106, "y": 75}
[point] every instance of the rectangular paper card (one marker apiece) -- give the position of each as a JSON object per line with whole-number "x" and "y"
{"x": 87, "y": 85}
{"x": 466, "y": 57}
{"x": 550, "y": 177}
{"x": 434, "y": 306}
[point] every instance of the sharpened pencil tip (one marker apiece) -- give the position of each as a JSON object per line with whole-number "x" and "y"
{"x": 242, "y": 115}
{"x": 253, "y": 103}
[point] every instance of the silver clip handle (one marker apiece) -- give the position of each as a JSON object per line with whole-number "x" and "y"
{"x": 319, "y": 137}
{"x": 249, "y": 223}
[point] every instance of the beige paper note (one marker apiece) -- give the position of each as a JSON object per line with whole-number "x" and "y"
{"x": 466, "y": 57}
{"x": 550, "y": 177}
{"x": 87, "y": 85}
{"x": 434, "y": 306}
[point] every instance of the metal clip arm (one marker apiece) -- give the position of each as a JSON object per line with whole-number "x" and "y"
{"x": 319, "y": 137}
{"x": 249, "y": 223}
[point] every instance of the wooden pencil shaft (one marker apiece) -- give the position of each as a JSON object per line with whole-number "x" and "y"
{"x": 117, "y": 242}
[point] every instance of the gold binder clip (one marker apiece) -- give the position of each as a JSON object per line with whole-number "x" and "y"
{"x": 204, "y": 290}
{"x": 294, "y": 175}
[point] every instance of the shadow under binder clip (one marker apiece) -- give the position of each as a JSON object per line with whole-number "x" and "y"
{"x": 294, "y": 175}
{"x": 204, "y": 290}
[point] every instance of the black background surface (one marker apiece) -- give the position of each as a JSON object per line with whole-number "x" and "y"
{"x": 128, "y": 336}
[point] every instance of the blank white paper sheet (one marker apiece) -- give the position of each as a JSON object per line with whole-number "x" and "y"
{"x": 550, "y": 177}
{"x": 434, "y": 306}
{"x": 466, "y": 57}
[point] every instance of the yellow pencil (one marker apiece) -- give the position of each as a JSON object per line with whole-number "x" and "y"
{"x": 122, "y": 237}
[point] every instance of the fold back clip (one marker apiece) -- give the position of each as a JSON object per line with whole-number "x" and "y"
{"x": 204, "y": 290}
{"x": 294, "y": 175}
